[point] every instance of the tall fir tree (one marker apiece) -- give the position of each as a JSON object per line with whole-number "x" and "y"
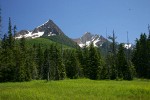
{"x": 113, "y": 57}
{"x": 72, "y": 65}
{"x": 57, "y": 62}
{"x": 0, "y": 37}
{"x": 140, "y": 57}
{"x": 124, "y": 69}
{"x": 40, "y": 60}
{"x": 79, "y": 54}
{"x": 10, "y": 36}
{"x": 148, "y": 49}
{"x": 0, "y": 23}
{"x": 8, "y": 65}
{"x": 15, "y": 30}
{"x": 94, "y": 63}
{"x": 46, "y": 66}
{"x": 85, "y": 62}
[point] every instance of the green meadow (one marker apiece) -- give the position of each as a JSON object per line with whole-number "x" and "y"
{"x": 78, "y": 89}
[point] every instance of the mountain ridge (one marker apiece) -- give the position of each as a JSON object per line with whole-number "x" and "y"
{"x": 48, "y": 30}
{"x": 89, "y": 38}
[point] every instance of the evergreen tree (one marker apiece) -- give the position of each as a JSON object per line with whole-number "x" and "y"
{"x": 46, "y": 66}
{"x": 10, "y": 36}
{"x": 72, "y": 65}
{"x": 94, "y": 63}
{"x": 4, "y": 43}
{"x": 57, "y": 62}
{"x": 79, "y": 54}
{"x": 103, "y": 73}
{"x": 140, "y": 57}
{"x": 0, "y": 24}
{"x": 124, "y": 69}
{"x": 148, "y": 49}
{"x": 109, "y": 63}
{"x": 15, "y": 30}
{"x": 61, "y": 66}
{"x": 7, "y": 57}
{"x": 121, "y": 62}
{"x": 113, "y": 68}
{"x": 85, "y": 62}
{"x": 40, "y": 60}
{"x": 23, "y": 71}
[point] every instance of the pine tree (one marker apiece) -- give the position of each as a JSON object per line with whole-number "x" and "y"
{"x": 140, "y": 57}
{"x": 10, "y": 36}
{"x": 57, "y": 61}
{"x": 148, "y": 49}
{"x": 113, "y": 69}
{"x": 25, "y": 65}
{"x": 22, "y": 70}
{"x": 46, "y": 66}
{"x": 72, "y": 65}
{"x": 0, "y": 24}
{"x": 61, "y": 65}
{"x": 94, "y": 63}
{"x": 109, "y": 63}
{"x": 85, "y": 62}
{"x": 15, "y": 30}
{"x": 79, "y": 54}
{"x": 40, "y": 60}
{"x": 7, "y": 56}
{"x": 103, "y": 68}
{"x": 124, "y": 69}
{"x": 121, "y": 62}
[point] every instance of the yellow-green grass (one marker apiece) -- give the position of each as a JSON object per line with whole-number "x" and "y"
{"x": 79, "y": 89}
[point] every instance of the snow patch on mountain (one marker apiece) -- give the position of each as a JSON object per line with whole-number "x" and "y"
{"x": 38, "y": 34}
{"x": 127, "y": 46}
{"x": 51, "y": 34}
{"x": 30, "y": 35}
{"x": 89, "y": 38}
{"x": 96, "y": 41}
{"x": 49, "y": 28}
{"x": 81, "y": 45}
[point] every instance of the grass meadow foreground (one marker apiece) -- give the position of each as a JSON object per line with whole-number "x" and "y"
{"x": 79, "y": 89}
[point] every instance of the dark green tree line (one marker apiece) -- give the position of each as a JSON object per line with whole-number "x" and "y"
{"x": 141, "y": 56}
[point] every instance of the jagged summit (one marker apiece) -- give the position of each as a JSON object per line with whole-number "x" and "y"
{"x": 47, "y": 22}
{"x": 97, "y": 40}
{"x": 49, "y": 28}
{"x": 89, "y": 38}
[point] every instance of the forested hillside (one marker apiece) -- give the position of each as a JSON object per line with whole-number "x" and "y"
{"x": 50, "y": 58}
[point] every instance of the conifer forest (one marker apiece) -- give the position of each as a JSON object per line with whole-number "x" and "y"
{"x": 21, "y": 60}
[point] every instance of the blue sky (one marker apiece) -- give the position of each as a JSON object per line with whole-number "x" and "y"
{"x": 75, "y": 17}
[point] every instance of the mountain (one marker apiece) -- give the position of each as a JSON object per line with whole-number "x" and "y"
{"x": 89, "y": 38}
{"x": 97, "y": 40}
{"x": 48, "y": 30}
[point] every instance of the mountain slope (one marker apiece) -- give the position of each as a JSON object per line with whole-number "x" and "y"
{"x": 62, "y": 39}
{"x": 44, "y": 42}
{"x": 89, "y": 38}
{"x": 48, "y": 30}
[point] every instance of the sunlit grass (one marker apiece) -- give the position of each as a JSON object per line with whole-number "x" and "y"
{"x": 80, "y": 89}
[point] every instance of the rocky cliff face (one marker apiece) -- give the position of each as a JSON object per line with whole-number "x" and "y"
{"x": 47, "y": 29}
{"x": 89, "y": 38}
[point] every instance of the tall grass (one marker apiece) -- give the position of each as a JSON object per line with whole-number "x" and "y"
{"x": 80, "y": 89}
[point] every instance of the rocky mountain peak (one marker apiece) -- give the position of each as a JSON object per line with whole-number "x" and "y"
{"x": 86, "y": 37}
{"x": 89, "y": 38}
{"x": 49, "y": 28}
